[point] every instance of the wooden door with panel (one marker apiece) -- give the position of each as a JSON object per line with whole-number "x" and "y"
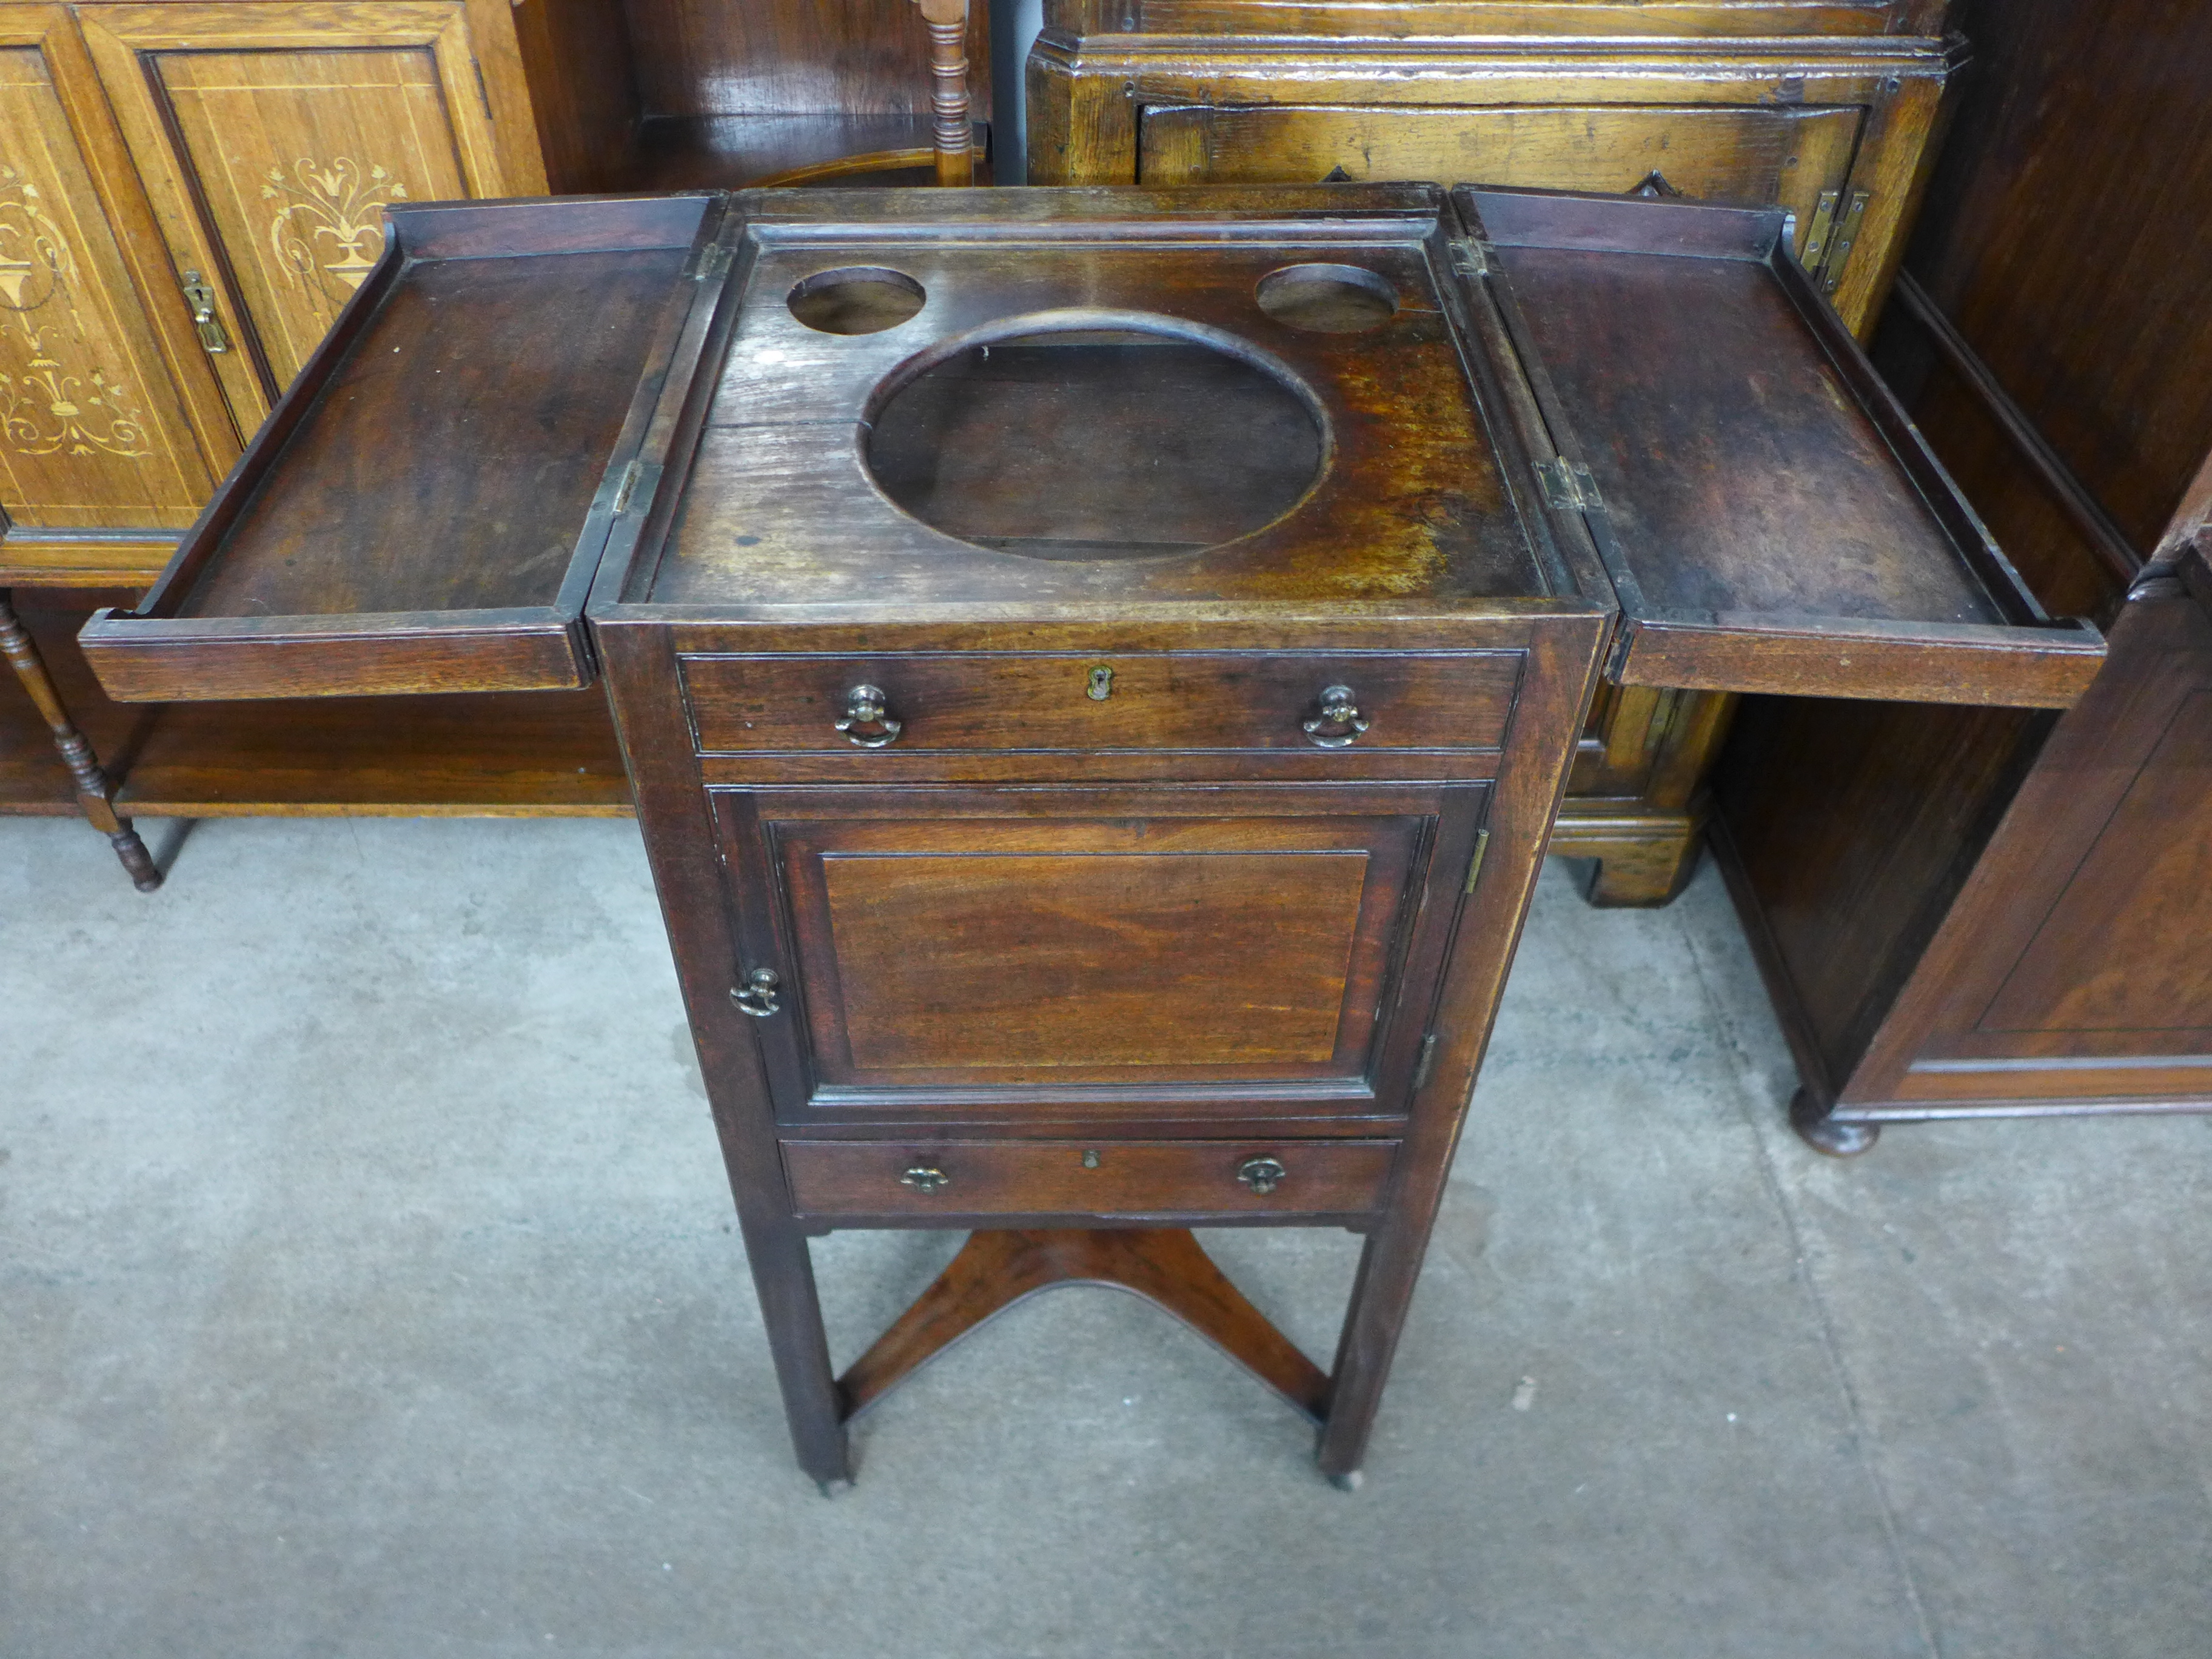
{"x": 109, "y": 420}
{"x": 1130, "y": 962}
{"x": 271, "y": 138}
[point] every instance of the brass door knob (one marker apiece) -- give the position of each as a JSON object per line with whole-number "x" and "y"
{"x": 1262, "y": 1175}
{"x": 867, "y": 721}
{"x": 1340, "y": 722}
{"x": 759, "y": 996}
{"x": 925, "y": 1178}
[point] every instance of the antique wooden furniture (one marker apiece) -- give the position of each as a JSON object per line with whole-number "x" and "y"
{"x": 190, "y": 192}
{"x": 1830, "y": 110}
{"x": 1966, "y": 913}
{"x": 1097, "y": 667}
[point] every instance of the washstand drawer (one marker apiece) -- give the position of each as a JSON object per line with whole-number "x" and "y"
{"x": 1202, "y": 701}
{"x": 1072, "y": 1178}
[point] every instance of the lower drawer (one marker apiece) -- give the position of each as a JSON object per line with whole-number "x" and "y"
{"x": 1101, "y": 1178}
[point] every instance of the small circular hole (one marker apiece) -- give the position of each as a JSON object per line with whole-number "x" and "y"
{"x": 1327, "y": 299}
{"x": 857, "y": 299}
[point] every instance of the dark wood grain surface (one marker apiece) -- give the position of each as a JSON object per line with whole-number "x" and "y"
{"x": 1151, "y": 703}
{"x": 1127, "y": 1178}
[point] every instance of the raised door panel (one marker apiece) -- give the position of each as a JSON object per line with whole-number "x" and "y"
{"x": 1161, "y": 959}
{"x": 94, "y": 432}
{"x": 1754, "y": 156}
{"x": 272, "y": 138}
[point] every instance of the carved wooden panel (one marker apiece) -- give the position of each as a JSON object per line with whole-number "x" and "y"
{"x": 92, "y": 430}
{"x": 273, "y": 137}
{"x": 1716, "y": 154}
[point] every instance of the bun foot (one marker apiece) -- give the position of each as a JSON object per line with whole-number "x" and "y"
{"x": 1824, "y": 1134}
{"x": 1348, "y": 1482}
{"x": 837, "y": 1488}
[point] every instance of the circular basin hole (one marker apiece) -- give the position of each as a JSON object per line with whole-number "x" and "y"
{"x": 857, "y": 299}
{"x": 1107, "y": 444}
{"x": 1328, "y": 299}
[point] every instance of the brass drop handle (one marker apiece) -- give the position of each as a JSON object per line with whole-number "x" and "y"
{"x": 867, "y": 721}
{"x": 1339, "y": 720}
{"x": 759, "y": 996}
{"x": 925, "y": 1178}
{"x": 200, "y": 298}
{"x": 1262, "y": 1175}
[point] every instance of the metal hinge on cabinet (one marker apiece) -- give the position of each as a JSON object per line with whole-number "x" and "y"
{"x": 715, "y": 260}
{"x": 1816, "y": 234}
{"x": 200, "y": 298}
{"x": 1427, "y": 1062}
{"x": 483, "y": 92}
{"x": 1568, "y": 485}
{"x": 1828, "y": 241}
{"x": 1474, "y": 864}
{"x": 1466, "y": 260}
{"x": 1839, "y": 252}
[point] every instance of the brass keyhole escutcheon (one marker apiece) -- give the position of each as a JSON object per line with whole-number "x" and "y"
{"x": 1100, "y": 686}
{"x": 925, "y": 1178}
{"x": 1262, "y": 1175}
{"x": 1090, "y": 1160}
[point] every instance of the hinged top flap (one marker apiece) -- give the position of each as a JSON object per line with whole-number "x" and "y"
{"x": 1770, "y": 517}
{"x": 426, "y": 507}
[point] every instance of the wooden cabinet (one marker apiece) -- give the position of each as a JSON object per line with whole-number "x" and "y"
{"x": 108, "y": 418}
{"x": 1964, "y": 913}
{"x": 1084, "y": 839}
{"x": 1829, "y": 111}
{"x": 193, "y": 193}
{"x": 271, "y": 138}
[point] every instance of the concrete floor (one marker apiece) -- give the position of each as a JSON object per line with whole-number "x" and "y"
{"x": 369, "y": 1286}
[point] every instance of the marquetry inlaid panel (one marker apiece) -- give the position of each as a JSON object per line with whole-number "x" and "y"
{"x": 91, "y": 432}
{"x": 271, "y": 137}
{"x": 296, "y": 155}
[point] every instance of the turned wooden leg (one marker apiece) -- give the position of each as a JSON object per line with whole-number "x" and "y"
{"x": 1823, "y": 1133}
{"x": 997, "y": 1268}
{"x": 948, "y": 94}
{"x": 95, "y": 796}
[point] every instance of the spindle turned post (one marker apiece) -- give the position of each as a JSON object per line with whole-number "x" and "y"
{"x": 95, "y": 795}
{"x": 948, "y": 94}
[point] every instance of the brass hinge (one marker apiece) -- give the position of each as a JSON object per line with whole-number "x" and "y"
{"x": 1475, "y": 865}
{"x": 200, "y": 298}
{"x": 1466, "y": 260}
{"x": 1426, "y": 1063}
{"x": 1568, "y": 485}
{"x": 1840, "y": 252}
{"x": 1816, "y": 237}
{"x": 714, "y": 261}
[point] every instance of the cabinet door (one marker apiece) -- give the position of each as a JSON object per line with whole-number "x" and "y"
{"x": 1789, "y": 157}
{"x": 273, "y": 137}
{"x": 94, "y": 431}
{"x": 1121, "y": 956}
{"x": 2077, "y": 964}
